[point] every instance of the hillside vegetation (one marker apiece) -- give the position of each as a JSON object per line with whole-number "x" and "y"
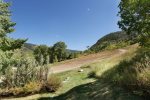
{"x": 112, "y": 41}
{"x": 122, "y": 75}
{"x": 31, "y": 47}
{"x": 81, "y": 86}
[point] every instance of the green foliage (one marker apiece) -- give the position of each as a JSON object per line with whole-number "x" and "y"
{"x": 53, "y": 83}
{"x": 133, "y": 74}
{"x": 73, "y": 55}
{"x": 92, "y": 74}
{"x": 135, "y": 17}
{"x": 25, "y": 77}
{"x": 29, "y": 46}
{"x": 7, "y": 45}
{"x": 6, "y": 27}
{"x": 113, "y": 41}
{"x": 59, "y": 49}
{"x": 32, "y": 87}
{"x": 41, "y": 54}
{"x": 19, "y": 73}
{"x": 5, "y": 60}
{"x": 57, "y": 53}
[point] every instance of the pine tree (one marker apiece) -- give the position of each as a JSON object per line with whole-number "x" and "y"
{"x": 7, "y": 44}
{"x": 7, "y": 27}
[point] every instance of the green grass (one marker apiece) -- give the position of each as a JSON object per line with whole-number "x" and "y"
{"x": 80, "y": 87}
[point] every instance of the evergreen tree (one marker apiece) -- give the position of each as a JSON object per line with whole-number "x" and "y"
{"x": 7, "y": 44}
{"x": 6, "y": 27}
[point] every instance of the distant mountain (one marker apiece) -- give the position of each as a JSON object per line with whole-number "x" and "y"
{"x": 30, "y": 47}
{"x": 73, "y": 51}
{"x": 112, "y": 40}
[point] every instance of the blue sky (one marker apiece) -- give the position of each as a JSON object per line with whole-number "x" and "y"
{"x": 79, "y": 23}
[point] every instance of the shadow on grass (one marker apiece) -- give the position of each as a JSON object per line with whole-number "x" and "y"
{"x": 98, "y": 90}
{"x": 101, "y": 89}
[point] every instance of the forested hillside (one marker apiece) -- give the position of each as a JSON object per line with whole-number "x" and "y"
{"x": 112, "y": 41}
{"x": 29, "y": 46}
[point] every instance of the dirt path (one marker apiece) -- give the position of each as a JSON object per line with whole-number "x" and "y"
{"x": 76, "y": 63}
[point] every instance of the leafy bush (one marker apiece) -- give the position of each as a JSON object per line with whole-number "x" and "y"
{"x": 23, "y": 71}
{"x": 19, "y": 74}
{"x": 5, "y": 61}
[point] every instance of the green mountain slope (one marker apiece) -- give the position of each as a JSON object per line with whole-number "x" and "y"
{"x": 29, "y": 46}
{"x": 112, "y": 41}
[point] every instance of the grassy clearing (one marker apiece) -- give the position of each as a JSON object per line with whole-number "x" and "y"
{"x": 78, "y": 86}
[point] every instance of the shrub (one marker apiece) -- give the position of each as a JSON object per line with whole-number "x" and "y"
{"x": 21, "y": 73}
{"x": 5, "y": 92}
{"x": 17, "y": 91}
{"x": 53, "y": 83}
{"x": 24, "y": 72}
{"x": 33, "y": 87}
{"x": 92, "y": 74}
{"x": 95, "y": 71}
{"x": 11, "y": 92}
{"x": 24, "y": 76}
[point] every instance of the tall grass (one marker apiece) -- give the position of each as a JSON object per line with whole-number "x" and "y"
{"x": 133, "y": 74}
{"x": 100, "y": 68}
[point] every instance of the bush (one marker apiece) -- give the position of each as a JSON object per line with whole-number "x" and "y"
{"x": 24, "y": 72}
{"x": 5, "y": 61}
{"x": 53, "y": 83}
{"x": 26, "y": 77}
{"x": 11, "y": 92}
{"x": 32, "y": 87}
{"x": 94, "y": 73}
{"x": 17, "y": 91}
{"x": 20, "y": 74}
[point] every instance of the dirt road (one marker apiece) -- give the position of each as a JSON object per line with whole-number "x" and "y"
{"x": 84, "y": 60}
